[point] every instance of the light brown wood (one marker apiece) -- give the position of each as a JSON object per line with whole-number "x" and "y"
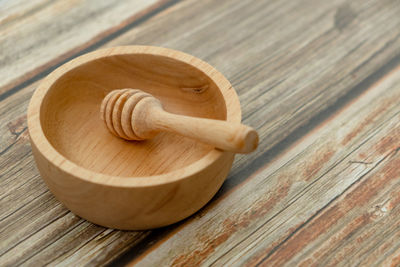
{"x": 134, "y": 115}
{"x": 121, "y": 184}
{"x": 295, "y": 65}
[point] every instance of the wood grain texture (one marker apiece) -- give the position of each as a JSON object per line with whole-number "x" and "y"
{"x": 303, "y": 205}
{"x": 38, "y": 34}
{"x": 129, "y": 185}
{"x": 144, "y": 117}
{"x": 300, "y": 68}
{"x": 265, "y": 59}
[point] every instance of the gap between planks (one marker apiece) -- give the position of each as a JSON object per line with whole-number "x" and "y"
{"x": 273, "y": 156}
{"x": 263, "y": 161}
{"x": 282, "y": 159}
{"x": 96, "y": 42}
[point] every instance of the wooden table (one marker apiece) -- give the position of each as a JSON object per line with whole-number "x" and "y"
{"x": 319, "y": 80}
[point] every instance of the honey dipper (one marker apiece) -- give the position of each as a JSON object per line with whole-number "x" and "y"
{"x": 135, "y": 115}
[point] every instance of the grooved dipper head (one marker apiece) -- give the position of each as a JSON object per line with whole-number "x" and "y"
{"x": 117, "y": 109}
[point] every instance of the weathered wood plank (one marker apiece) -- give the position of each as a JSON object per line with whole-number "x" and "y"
{"x": 354, "y": 226}
{"x": 39, "y": 34}
{"x": 34, "y": 227}
{"x": 304, "y": 206}
{"x": 293, "y": 65}
{"x": 278, "y": 54}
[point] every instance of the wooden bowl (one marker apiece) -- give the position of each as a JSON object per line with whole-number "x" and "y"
{"x": 129, "y": 184}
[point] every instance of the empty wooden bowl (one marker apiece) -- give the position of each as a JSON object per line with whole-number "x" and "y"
{"x": 129, "y": 184}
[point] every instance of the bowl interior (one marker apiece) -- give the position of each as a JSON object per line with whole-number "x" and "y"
{"x": 70, "y": 113}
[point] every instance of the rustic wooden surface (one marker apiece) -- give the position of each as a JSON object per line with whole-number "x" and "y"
{"x": 319, "y": 80}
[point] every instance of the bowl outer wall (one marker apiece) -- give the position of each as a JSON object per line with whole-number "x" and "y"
{"x": 131, "y": 202}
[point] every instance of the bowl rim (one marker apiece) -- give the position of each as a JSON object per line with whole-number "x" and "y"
{"x": 51, "y": 154}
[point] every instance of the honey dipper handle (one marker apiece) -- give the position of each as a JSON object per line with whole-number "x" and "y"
{"x": 225, "y": 135}
{"x": 228, "y": 136}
